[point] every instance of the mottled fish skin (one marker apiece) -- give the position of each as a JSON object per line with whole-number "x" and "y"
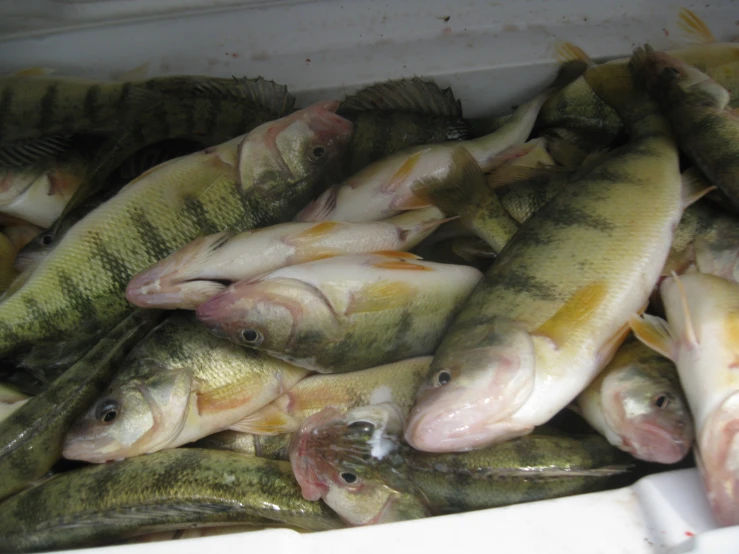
{"x": 31, "y": 438}
{"x": 554, "y": 306}
{"x": 178, "y": 385}
{"x": 180, "y": 488}
{"x": 396, "y": 383}
{"x": 256, "y": 180}
{"x": 637, "y": 404}
{"x": 10, "y": 400}
{"x": 203, "y": 268}
{"x": 336, "y": 457}
{"x": 344, "y": 313}
{"x": 263, "y": 446}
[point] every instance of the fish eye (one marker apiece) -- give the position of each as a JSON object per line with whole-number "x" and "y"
{"x": 317, "y": 154}
{"x": 443, "y": 377}
{"x": 348, "y": 478}
{"x": 107, "y": 411}
{"x": 47, "y": 239}
{"x": 661, "y": 401}
{"x": 252, "y": 337}
{"x": 365, "y": 426}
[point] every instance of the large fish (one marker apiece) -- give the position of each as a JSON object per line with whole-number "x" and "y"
{"x": 359, "y": 465}
{"x": 177, "y": 489}
{"x": 178, "y": 385}
{"x": 344, "y": 313}
{"x": 200, "y": 270}
{"x": 702, "y": 337}
{"x": 637, "y": 404}
{"x": 254, "y": 180}
{"x": 554, "y": 307}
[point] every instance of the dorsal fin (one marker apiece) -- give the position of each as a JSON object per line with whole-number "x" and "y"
{"x": 406, "y": 95}
{"x": 24, "y": 153}
{"x": 693, "y": 28}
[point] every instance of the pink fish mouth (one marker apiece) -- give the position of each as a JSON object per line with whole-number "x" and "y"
{"x": 307, "y": 466}
{"x": 653, "y": 443}
{"x": 93, "y": 450}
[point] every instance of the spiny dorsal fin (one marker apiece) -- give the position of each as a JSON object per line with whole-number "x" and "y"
{"x": 693, "y": 28}
{"x": 406, "y": 95}
{"x": 24, "y": 153}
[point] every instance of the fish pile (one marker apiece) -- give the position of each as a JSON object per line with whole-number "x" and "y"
{"x": 363, "y": 311}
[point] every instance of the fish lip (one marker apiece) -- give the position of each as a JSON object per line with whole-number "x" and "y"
{"x": 90, "y": 449}
{"x": 652, "y": 443}
{"x": 301, "y": 460}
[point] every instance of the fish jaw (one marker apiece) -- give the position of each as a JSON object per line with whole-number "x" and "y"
{"x": 308, "y": 468}
{"x": 472, "y": 409}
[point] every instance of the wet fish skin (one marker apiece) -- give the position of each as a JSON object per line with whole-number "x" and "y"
{"x": 200, "y": 270}
{"x": 396, "y": 382}
{"x": 344, "y": 313}
{"x": 7, "y": 256}
{"x": 263, "y": 446}
{"x": 10, "y": 400}
{"x": 241, "y": 184}
{"x": 31, "y": 437}
{"x": 179, "y": 488}
{"x": 543, "y": 309}
{"x": 179, "y": 384}
{"x": 638, "y": 405}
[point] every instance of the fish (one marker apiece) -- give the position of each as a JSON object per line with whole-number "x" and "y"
{"x": 254, "y": 180}
{"x": 698, "y": 109}
{"x": 179, "y": 384}
{"x": 180, "y": 488}
{"x": 10, "y": 400}
{"x": 359, "y": 465}
{"x": 21, "y": 235}
{"x": 554, "y": 307}
{"x": 396, "y": 382}
{"x": 7, "y": 257}
{"x": 31, "y": 437}
{"x": 386, "y": 187}
{"x": 203, "y": 268}
{"x": 578, "y": 106}
{"x": 637, "y": 404}
{"x": 344, "y": 313}
{"x": 272, "y": 447}
{"x": 700, "y": 336}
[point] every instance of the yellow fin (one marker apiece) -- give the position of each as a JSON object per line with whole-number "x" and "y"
{"x": 269, "y": 420}
{"x": 383, "y": 295}
{"x": 403, "y": 172}
{"x": 397, "y": 254}
{"x": 566, "y": 51}
{"x": 654, "y": 332}
{"x": 608, "y": 348}
{"x": 691, "y": 337}
{"x": 694, "y": 186}
{"x": 224, "y": 398}
{"x": 581, "y": 307}
{"x": 402, "y": 266}
{"x": 315, "y": 232}
{"x": 694, "y": 29}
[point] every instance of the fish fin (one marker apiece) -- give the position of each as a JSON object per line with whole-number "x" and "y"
{"x": 269, "y": 420}
{"x": 694, "y": 29}
{"x": 584, "y": 304}
{"x": 313, "y": 233}
{"x": 545, "y": 472}
{"x": 223, "y": 398}
{"x": 566, "y": 52}
{"x": 403, "y": 172}
{"x": 382, "y": 295}
{"x": 20, "y": 154}
{"x": 455, "y": 195}
{"x": 397, "y": 254}
{"x": 402, "y": 266}
{"x": 690, "y": 335}
{"x": 321, "y": 207}
{"x": 694, "y": 186}
{"x": 608, "y": 348}
{"x": 267, "y": 93}
{"x": 565, "y": 152}
{"x": 138, "y": 73}
{"x": 406, "y": 95}
{"x": 614, "y": 83}
{"x": 512, "y": 174}
{"x": 33, "y": 72}
{"x": 654, "y": 332}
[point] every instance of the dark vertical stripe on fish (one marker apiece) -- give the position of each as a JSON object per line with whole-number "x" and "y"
{"x": 197, "y": 211}
{"x": 155, "y": 245}
{"x": 79, "y": 300}
{"x": 92, "y": 104}
{"x": 47, "y": 107}
{"x": 114, "y": 266}
{"x": 6, "y": 102}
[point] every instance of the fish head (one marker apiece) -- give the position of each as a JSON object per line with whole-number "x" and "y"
{"x": 646, "y": 408}
{"x": 470, "y": 391}
{"x": 299, "y": 148}
{"x": 281, "y": 316}
{"x": 142, "y": 415}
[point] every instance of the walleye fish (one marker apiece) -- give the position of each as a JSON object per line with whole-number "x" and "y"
{"x": 178, "y": 385}
{"x": 386, "y": 187}
{"x": 578, "y": 106}
{"x": 251, "y": 181}
{"x": 701, "y": 337}
{"x": 180, "y": 488}
{"x": 273, "y": 447}
{"x": 637, "y": 404}
{"x": 396, "y": 383}
{"x": 10, "y": 400}
{"x": 195, "y": 273}
{"x": 7, "y": 256}
{"x": 554, "y": 307}
{"x": 344, "y": 313}
{"x": 31, "y": 438}
{"x": 472, "y": 251}
{"x": 359, "y": 465}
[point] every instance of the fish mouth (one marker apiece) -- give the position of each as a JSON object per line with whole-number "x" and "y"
{"x": 96, "y": 450}
{"x": 304, "y": 462}
{"x": 653, "y": 443}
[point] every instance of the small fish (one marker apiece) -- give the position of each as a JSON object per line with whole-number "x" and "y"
{"x": 554, "y": 307}
{"x": 637, "y": 404}
{"x": 386, "y": 187}
{"x": 359, "y": 465}
{"x": 31, "y": 437}
{"x": 396, "y": 383}
{"x": 344, "y": 313}
{"x": 202, "y": 269}
{"x": 180, "y": 488}
{"x": 178, "y": 385}
{"x": 701, "y": 336}
{"x": 254, "y": 180}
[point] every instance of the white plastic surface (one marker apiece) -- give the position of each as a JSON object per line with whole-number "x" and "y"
{"x": 493, "y": 54}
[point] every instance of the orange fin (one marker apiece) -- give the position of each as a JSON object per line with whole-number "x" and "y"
{"x": 566, "y": 52}
{"x": 608, "y": 349}
{"x": 581, "y": 307}
{"x": 404, "y": 171}
{"x": 223, "y": 398}
{"x": 694, "y": 29}
{"x": 317, "y": 231}
{"x": 654, "y": 332}
{"x": 269, "y": 420}
{"x": 397, "y": 254}
{"x": 403, "y": 266}
{"x": 384, "y": 295}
